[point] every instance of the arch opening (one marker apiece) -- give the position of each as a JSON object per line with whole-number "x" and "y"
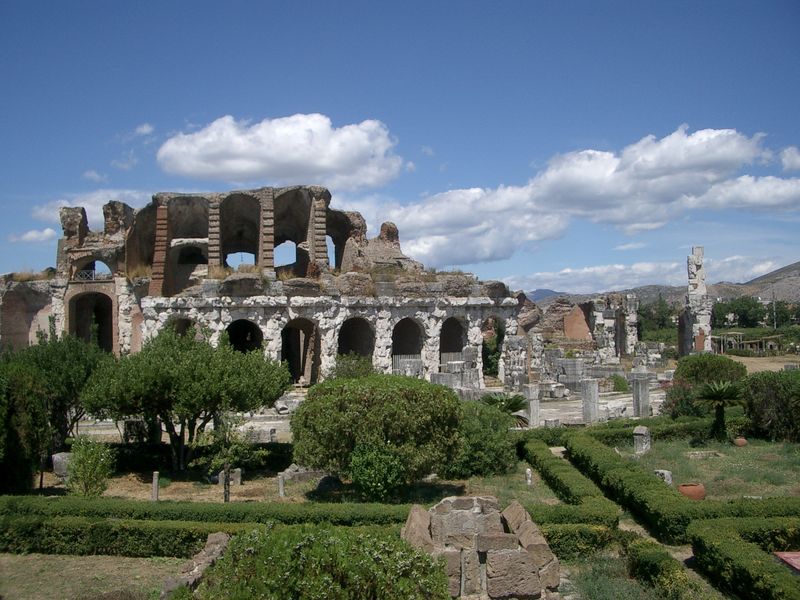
{"x": 188, "y": 217}
{"x": 452, "y": 340}
{"x": 92, "y": 317}
{"x": 300, "y": 348}
{"x": 494, "y": 332}
{"x": 356, "y": 337}
{"x": 240, "y": 218}
{"x": 245, "y": 336}
{"x": 92, "y": 269}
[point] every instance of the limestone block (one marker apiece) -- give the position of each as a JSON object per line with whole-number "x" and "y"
{"x": 496, "y": 541}
{"x": 470, "y": 573}
{"x": 665, "y": 475}
{"x": 235, "y": 477}
{"x": 452, "y": 566}
{"x": 460, "y": 523}
{"x": 417, "y": 528}
{"x": 550, "y": 574}
{"x": 641, "y": 439}
{"x": 511, "y": 574}
{"x": 531, "y": 538}
{"x": 515, "y": 515}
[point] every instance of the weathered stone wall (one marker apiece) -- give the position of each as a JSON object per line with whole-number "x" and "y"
{"x": 695, "y": 321}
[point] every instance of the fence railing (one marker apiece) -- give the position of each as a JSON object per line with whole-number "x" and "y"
{"x": 90, "y": 275}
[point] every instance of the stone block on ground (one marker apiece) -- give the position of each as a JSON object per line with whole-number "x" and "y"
{"x": 60, "y": 462}
{"x": 512, "y": 574}
{"x": 417, "y": 530}
{"x": 515, "y": 515}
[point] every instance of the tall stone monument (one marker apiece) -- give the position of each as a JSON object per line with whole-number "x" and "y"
{"x": 694, "y": 326}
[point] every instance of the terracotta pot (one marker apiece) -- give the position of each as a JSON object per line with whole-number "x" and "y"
{"x": 740, "y": 441}
{"x": 693, "y": 491}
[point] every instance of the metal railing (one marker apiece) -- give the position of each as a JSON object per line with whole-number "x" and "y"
{"x": 90, "y": 275}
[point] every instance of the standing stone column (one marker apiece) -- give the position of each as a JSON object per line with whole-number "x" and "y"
{"x": 160, "y": 251}
{"x": 266, "y": 238}
{"x": 214, "y": 250}
{"x": 641, "y": 393}
{"x": 531, "y": 393}
{"x": 695, "y": 322}
{"x": 590, "y": 394}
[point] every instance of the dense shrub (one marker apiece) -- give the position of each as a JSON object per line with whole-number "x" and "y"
{"x": 620, "y": 383}
{"x": 772, "y": 402}
{"x": 117, "y": 537}
{"x": 732, "y": 553}
{"x": 665, "y": 512}
{"x": 416, "y": 420}
{"x": 91, "y": 465}
{"x": 352, "y": 365}
{"x": 705, "y": 368}
{"x": 570, "y": 541}
{"x": 376, "y": 472}
{"x": 307, "y": 564}
{"x": 486, "y": 446}
{"x": 651, "y": 563}
{"x": 238, "y": 512}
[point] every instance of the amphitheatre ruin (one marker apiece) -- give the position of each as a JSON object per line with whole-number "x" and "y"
{"x": 167, "y": 265}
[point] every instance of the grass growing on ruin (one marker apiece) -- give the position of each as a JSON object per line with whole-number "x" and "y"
{"x": 761, "y": 468}
{"x": 46, "y": 576}
{"x": 604, "y": 577}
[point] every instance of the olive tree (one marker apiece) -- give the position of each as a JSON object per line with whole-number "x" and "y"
{"x": 186, "y": 383}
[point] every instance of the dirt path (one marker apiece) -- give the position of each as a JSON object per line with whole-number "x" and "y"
{"x": 756, "y": 364}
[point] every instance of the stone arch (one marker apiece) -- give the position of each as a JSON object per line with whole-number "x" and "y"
{"x": 356, "y": 336}
{"x": 93, "y": 311}
{"x": 292, "y": 220}
{"x": 240, "y": 225}
{"x": 245, "y": 336}
{"x": 300, "y": 349}
{"x": 408, "y": 337}
{"x": 188, "y": 217}
{"x": 453, "y": 336}
{"x": 93, "y": 267}
{"x": 187, "y": 265}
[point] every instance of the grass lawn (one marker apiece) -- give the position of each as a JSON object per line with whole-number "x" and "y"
{"x": 759, "y": 469}
{"x": 46, "y": 576}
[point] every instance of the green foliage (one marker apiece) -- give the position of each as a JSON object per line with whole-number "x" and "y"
{"x": 620, "y": 383}
{"x": 509, "y": 404}
{"x": 704, "y": 368}
{"x": 605, "y": 577}
{"x": 116, "y": 537}
{"x": 307, "y": 564}
{"x": 718, "y": 395}
{"x": 376, "y": 472}
{"x": 486, "y": 446}
{"x": 416, "y": 420}
{"x": 25, "y": 433}
{"x": 570, "y": 541}
{"x": 652, "y": 563}
{"x": 236, "y": 512}
{"x": 680, "y": 401}
{"x": 492, "y": 349}
{"x": 661, "y": 508}
{"x": 184, "y": 382}
{"x": 352, "y": 365}
{"x": 779, "y": 314}
{"x": 772, "y": 403}
{"x": 748, "y": 312}
{"x": 88, "y": 470}
{"x": 655, "y": 315}
{"x": 733, "y": 554}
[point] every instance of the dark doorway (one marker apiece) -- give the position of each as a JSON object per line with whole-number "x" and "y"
{"x": 92, "y": 315}
{"x": 356, "y": 337}
{"x": 300, "y": 345}
{"x": 245, "y": 335}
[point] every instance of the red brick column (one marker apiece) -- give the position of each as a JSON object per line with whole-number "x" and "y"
{"x": 160, "y": 251}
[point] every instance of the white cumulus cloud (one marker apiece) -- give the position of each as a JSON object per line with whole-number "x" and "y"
{"x": 299, "y": 148}
{"x": 93, "y": 203}
{"x": 638, "y": 189}
{"x": 790, "y": 158}
{"x": 93, "y": 175}
{"x": 630, "y": 246}
{"x": 35, "y": 236}
{"x": 144, "y": 129}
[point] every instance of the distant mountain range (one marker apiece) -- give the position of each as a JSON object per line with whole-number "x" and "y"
{"x": 784, "y": 283}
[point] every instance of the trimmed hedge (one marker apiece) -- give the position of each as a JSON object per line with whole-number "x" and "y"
{"x": 665, "y": 511}
{"x": 569, "y": 541}
{"x": 585, "y": 501}
{"x": 256, "y": 512}
{"x": 618, "y": 433}
{"x": 22, "y": 534}
{"x": 652, "y": 564}
{"x": 734, "y": 553}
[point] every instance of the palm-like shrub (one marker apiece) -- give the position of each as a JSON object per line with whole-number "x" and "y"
{"x": 717, "y": 395}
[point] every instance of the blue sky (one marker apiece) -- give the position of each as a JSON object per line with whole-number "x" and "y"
{"x": 580, "y": 146}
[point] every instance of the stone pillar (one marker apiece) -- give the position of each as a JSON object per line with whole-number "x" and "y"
{"x": 266, "y": 236}
{"x": 630, "y": 307}
{"x": 160, "y": 251}
{"x": 154, "y": 495}
{"x": 531, "y": 393}
{"x": 695, "y": 329}
{"x": 641, "y": 440}
{"x": 641, "y": 393}
{"x": 590, "y": 395}
{"x": 214, "y": 241}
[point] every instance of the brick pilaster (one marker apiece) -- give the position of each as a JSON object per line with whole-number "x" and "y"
{"x": 214, "y": 251}
{"x": 160, "y": 251}
{"x": 266, "y": 237}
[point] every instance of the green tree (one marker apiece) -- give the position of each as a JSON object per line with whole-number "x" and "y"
{"x": 779, "y": 314}
{"x": 492, "y": 348}
{"x": 719, "y": 315}
{"x": 693, "y": 372}
{"x": 718, "y": 395}
{"x": 89, "y": 468}
{"x": 655, "y": 315}
{"x": 749, "y": 311}
{"x": 68, "y": 363}
{"x": 414, "y": 420}
{"x": 509, "y": 404}
{"x": 25, "y": 432}
{"x": 352, "y": 365}
{"x": 185, "y": 382}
